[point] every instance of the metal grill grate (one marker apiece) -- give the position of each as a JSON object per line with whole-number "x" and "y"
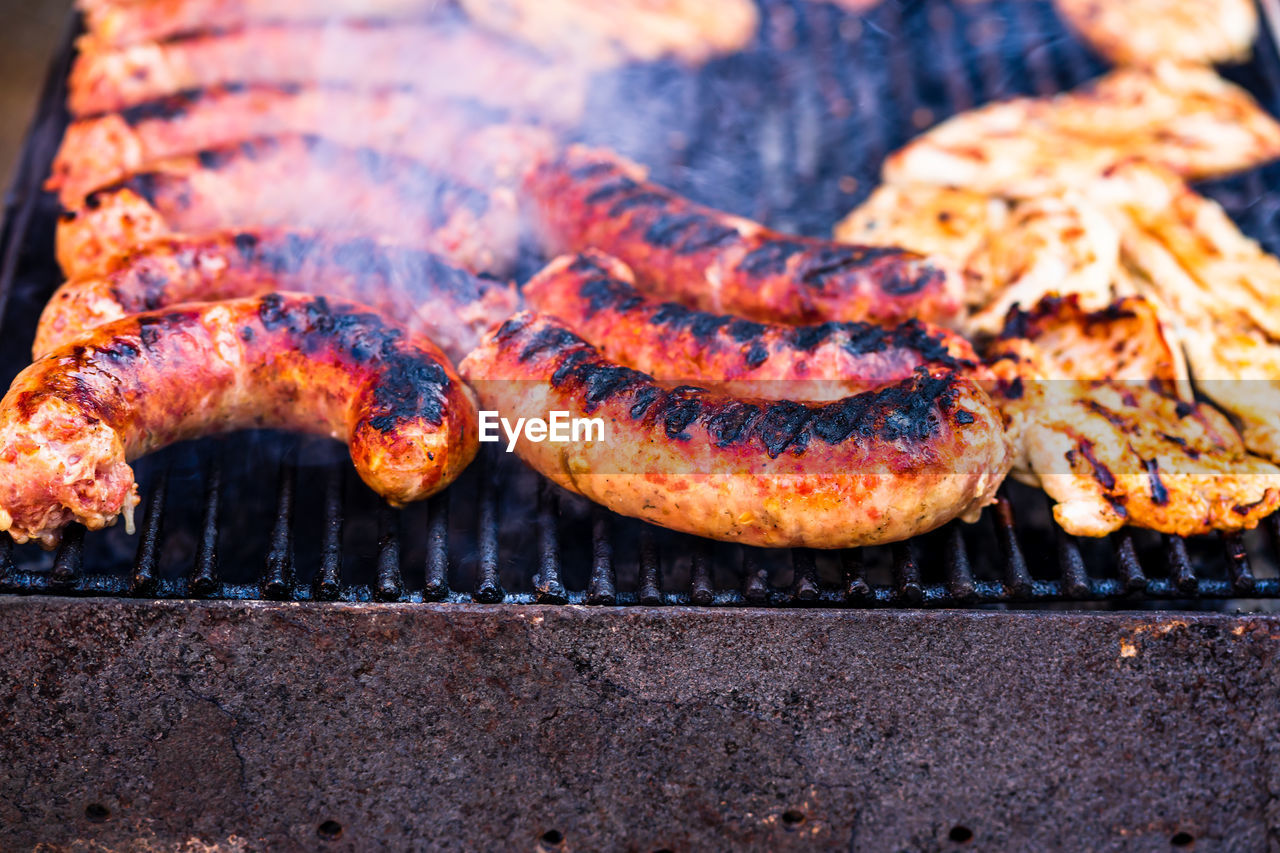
{"x": 792, "y": 131}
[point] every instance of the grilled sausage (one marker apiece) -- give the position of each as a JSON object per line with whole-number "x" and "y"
{"x": 293, "y": 182}
{"x": 594, "y": 295}
{"x": 72, "y": 420}
{"x": 449, "y": 305}
{"x": 496, "y": 73}
{"x": 119, "y": 23}
{"x": 875, "y": 467}
{"x": 590, "y": 198}
{"x": 445, "y": 136}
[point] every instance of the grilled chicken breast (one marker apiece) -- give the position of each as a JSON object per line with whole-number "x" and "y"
{"x": 1186, "y": 118}
{"x": 1221, "y": 289}
{"x": 480, "y": 67}
{"x": 447, "y": 136}
{"x": 1143, "y": 32}
{"x": 604, "y": 33}
{"x": 1102, "y": 431}
{"x": 293, "y": 182}
{"x": 1012, "y": 251}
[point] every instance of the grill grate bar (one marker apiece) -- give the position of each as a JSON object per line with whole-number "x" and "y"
{"x": 650, "y": 569}
{"x": 701, "y": 591}
{"x": 142, "y": 583}
{"x": 959, "y": 572}
{"x": 1132, "y": 578}
{"x": 1181, "y": 574}
{"x": 390, "y": 585}
{"x": 804, "y": 565}
{"x": 755, "y": 584}
{"x": 68, "y": 565}
{"x": 854, "y": 570}
{"x": 277, "y": 579}
{"x": 1017, "y": 579}
{"x": 1242, "y": 579}
{"x": 1075, "y": 579}
{"x": 932, "y": 594}
{"x": 436, "y": 582}
{"x": 547, "y": 584}
{"x": 906, "y": 574}
{"x": 204, "y": 574}
{"x": 328, "y": 580}
{"x": 602, "y": 587}
{"x": 488, "y": 587}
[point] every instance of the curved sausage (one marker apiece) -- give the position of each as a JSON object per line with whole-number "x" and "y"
{"x": 449, "y": 305}
{"x": 594, "y": 295}
{"x": 293, "y": 182}
{"x": 72, "y": 420}
{"x": 591, "y": 198}
{"x": 871, "y": 468}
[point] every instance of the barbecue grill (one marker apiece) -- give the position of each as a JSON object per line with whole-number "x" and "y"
{"x": 277, "y": 659}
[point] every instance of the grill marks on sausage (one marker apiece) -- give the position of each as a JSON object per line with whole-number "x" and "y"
{"x": 412, "y": 384}
{"x": 602, "y": 292}
{"x": 911, "y": 411}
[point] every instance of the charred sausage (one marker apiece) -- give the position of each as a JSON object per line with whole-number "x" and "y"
{"x": 293, "y": 182}
{"x": 874, "y": 467}
{"x": 343, "y": 54}
{"x": 71, "y": 421}
{"x": 594, "y": 295}
{"x": 591, "y": 198}
{"x": 449, "y": 305}
{"x": 445, "y": 136}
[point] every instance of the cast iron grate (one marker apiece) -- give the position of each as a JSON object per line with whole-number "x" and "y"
{"x": 792, "y": 131}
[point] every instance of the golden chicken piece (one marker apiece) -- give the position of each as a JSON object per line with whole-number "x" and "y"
{"x": 607, "y": 33}
{"x": 1221, "y": 289}
{"x": 1187, "y": 118}
{"x": 951, "y": 223}
{"x": 1090, "y": 396}
{"x": 1142, "y": 32}
{"x": 1013, "y": 252}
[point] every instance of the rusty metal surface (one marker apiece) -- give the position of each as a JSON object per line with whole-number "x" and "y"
{"x": 279, "y": 725}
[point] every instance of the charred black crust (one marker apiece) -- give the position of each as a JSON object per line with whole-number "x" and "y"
{"x": 1101, "y": 472}
{"x": 411, "y": 384}
{"x": 1159, "y": 494}
{"x": 912, "y": 411}
{"x": 770, "y": 258}
{"x": 601, "y": 292}
{"x": 686, "y": 233}
{"x": 823, "y": 263}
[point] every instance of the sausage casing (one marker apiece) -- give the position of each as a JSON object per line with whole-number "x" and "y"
{"x": 874, "y": 467}
{"x": 72, "y": 420}
{"x": 293, "y": 182}
{"x": 449, "y": 305}
{"x": 594, "y": 295}
{"x": 590, "y": 198}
